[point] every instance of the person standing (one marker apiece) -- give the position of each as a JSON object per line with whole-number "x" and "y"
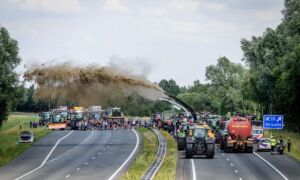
{"x": 273, "y": 143}
{"x": 289, "y": 143}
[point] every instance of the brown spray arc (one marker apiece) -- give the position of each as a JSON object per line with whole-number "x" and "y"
{"x": 88, "y": 85}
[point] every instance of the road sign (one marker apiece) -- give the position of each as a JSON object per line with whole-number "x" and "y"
{"x": 273, "y": 121}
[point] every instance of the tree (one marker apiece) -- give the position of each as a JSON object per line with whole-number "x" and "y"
{"x": 9, "y": 59}
{"x": 170, "y": 86}
{"x": 274, "y": 66}
{"x": 226, "y": 84}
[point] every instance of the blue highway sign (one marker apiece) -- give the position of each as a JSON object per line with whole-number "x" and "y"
{"x": 273, "y": 121}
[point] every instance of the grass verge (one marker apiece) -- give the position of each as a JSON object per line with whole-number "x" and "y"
{"x": 145, "y": 157}
{"x": 295, "y": 141}
{"x": 9, "y": 134}
{"x": 168, "y": 169}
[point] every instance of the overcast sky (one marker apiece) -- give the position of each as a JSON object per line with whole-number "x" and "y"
{"x": 157, "y": 38}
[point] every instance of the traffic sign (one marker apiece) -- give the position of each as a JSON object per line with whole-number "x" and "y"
{"x": 273, "y": 121}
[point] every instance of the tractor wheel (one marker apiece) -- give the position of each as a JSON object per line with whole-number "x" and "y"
{"x": 210, "y": 152}
{"x": 189, "y": 151}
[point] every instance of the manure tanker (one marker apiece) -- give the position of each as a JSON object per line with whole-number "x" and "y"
{"x": 239, "y": 137}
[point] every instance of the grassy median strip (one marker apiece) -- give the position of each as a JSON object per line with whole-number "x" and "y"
{"x": 9, "y": 134}
{"x": 145, "y": 157}
{"x": 295, "y": 141}
{"x": 168, "y": 169}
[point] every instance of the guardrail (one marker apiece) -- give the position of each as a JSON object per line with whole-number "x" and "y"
{"x": 159, "y": 158}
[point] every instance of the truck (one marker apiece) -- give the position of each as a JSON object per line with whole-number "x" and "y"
{"x": 239, "y": 135}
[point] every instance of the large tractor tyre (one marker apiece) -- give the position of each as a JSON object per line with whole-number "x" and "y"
{"x": 210, "y": 152}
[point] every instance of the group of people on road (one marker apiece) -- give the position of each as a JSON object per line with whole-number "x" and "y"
{"x": 280, "y": 142}
{"x": 107, "y": 124}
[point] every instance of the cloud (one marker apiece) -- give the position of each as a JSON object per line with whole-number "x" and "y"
{"x": 212, "y": 6}
{"x": 153, "y": 11}
{"x": 115, "y": 5}
{"x": 137, "y": 66}
{"x": 56, "y": 6}
{"x": 268, "y": 15}
{"x": 185, "y": 5}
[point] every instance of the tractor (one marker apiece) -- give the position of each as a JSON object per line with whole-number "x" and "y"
{"x": 200, "y": 140}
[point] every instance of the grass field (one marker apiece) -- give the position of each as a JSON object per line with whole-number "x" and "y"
{"x": 168, "y": 168}
{"x": 9, "y": 134}
{"x": 295, "y": 140}
{"x": 145, "y": 157}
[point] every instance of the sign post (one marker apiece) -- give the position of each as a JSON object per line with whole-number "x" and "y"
{"x": 273, "y": 122}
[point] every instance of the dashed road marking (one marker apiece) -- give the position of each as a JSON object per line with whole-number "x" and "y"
{"x": 86, "y": 163}
{"x": 77, "y": 169}
{"x": 227, "y": 159}
{"x": 223, "y": 154}
{"x": 231, "y": 164}
{"x": 104, "y": 149}
{"x": 236, "y": 171}
{"x": 240, "y": 178}
{"x": 67, "y": 176}
{"x": 93, "y": 157}
{"x": 99, "y": 153}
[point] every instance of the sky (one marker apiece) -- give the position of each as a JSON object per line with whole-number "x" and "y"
{"x": 159, "y": 39}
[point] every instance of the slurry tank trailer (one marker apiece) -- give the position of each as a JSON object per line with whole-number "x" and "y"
{"x": 239, "y": 137}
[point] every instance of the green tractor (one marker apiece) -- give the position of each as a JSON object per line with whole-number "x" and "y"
{"x": 200, "y": 141}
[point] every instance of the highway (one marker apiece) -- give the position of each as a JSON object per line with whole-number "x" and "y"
{"x": 238, "y": 166}
{"x": 76, "y": 155}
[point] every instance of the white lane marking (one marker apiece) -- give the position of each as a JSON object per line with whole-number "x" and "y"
{"x": 93, "y": 157}
{"x": 104, "y": 149}
{"x": 47, "y": 157}
{"x": 193, "y": 169}
{"x": 223, "y": 154}
{"x": 130, "y": 156}
{"x": 240, "y": 178}
{"x": 99, "y": 153}
{"x": 280, "y": 173}
{"x": 86, "y": 163}
{"x": 77, "y": 169}
{"x": 227, "y": 159}
{"x": 231, "y": 164}
{"x": 67, "y": 176}
{"x": 236, "y": 171}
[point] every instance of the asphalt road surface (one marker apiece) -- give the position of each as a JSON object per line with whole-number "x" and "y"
{"x": 78, "y": 155}
{"x": 238, "y": 166}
